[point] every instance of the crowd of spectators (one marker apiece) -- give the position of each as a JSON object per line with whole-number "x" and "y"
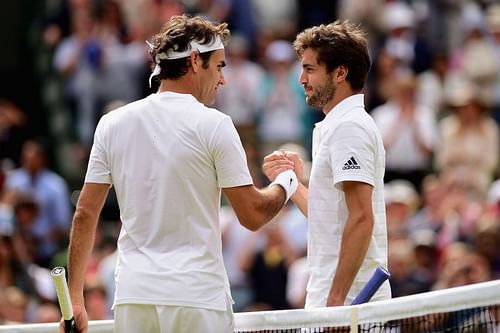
{"x": 433, "y": 90}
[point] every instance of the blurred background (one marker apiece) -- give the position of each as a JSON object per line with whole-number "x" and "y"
{"x": 433, "y": 90}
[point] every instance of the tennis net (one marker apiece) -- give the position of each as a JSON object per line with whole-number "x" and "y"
{"x": 468, "y": 309}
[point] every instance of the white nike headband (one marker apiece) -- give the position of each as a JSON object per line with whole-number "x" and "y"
{"x": 172, "y": 52}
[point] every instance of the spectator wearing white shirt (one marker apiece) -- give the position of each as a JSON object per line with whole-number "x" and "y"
{"x": 409, "y": 131}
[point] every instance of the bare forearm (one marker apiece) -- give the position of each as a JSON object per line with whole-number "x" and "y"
{"x": 275, "y": 197}
{"x": 87, "y": 212}
{"x": 269, "y": 203}
{"x": 355, "y": 243}
{"x": 300, "y": 199}
{"x": 255, "y": 207}
{"x": 80, "y": 250}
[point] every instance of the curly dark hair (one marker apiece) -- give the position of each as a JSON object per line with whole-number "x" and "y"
{"x": 336, "y": 44}
{"x": 178, "y": 32}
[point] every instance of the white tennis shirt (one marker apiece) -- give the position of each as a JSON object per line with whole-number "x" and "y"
{"x": 168, "y": 156}
{"x": 347, "y": 146}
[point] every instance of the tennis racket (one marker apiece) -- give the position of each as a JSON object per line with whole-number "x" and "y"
{"x": 379, "y": 276}
{"x": 59, "y": 277}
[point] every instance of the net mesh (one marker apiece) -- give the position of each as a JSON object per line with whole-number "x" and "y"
{"x": 468, "y": 309}
{"x": 477, "y": 320}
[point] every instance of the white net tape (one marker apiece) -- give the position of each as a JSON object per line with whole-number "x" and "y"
{"x": 453, "y": 299}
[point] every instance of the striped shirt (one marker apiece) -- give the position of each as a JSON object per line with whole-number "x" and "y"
{"x": 347, "y": 146}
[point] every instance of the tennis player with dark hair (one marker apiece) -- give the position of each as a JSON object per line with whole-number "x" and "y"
{"x": 168, "y": 156}
{"x": 347, "y": 236}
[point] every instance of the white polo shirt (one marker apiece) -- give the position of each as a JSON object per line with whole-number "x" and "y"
{"x": 347, "y": 146}
{"x": 168, "y": 156}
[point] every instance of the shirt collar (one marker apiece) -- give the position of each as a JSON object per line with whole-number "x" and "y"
{"x": 341, "y": 108}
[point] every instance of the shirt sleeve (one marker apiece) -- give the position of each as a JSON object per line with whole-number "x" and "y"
{"x": 352, "y": 154}
{"x": 98, "y": 170}
{"x": 229, "y": 156}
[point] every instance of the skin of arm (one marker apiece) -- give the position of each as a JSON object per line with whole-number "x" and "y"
{"x": 88, "y": 209}
{"x": 355, "y": 239}
{"x": 255, "y": 207}
{"x": 274, "y": 164}
{"x": 300, "y": 198}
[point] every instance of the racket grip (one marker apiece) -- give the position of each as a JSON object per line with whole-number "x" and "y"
{"x": 70, "y": 326}
{"x": 379, "y": 276}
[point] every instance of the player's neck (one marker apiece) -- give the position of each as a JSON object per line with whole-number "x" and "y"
{"x": 183, "y": 85}
{"x": 342, "y": 92}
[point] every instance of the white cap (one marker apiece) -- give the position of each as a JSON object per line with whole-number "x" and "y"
{"x": 472, "y": 17}
{"x": 401, "y": 191}
{"x": 398, "y": 15}
{"x": 280, "y": 51}
{"x": 459, "y": 91}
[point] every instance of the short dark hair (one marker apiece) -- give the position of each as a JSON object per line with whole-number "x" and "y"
{"x": 179, "y": 31}
{"x": 338, "y": 43}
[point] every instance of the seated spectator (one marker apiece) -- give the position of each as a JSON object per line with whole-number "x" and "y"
{"x": 51, "y": 193}
{"x": 401, "y": 201}
{"x": 409, "y": 133}
{"x": 462, "y": 266}
{"x": 47, "y": 313}
{"x": 469, "y": 139}
{"x": 14, "y": 309}
{"x": 96, "y": 301}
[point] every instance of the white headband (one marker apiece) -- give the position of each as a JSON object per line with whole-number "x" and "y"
{"x": 172, "y": 52}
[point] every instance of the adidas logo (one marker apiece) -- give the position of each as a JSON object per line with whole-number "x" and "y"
{"x": 351, "y": 164}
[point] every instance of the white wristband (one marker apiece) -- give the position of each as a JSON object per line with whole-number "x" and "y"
{"x": 288, "y": 180}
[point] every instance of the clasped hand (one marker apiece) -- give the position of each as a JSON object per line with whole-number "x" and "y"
{"x": 282, "y": 160}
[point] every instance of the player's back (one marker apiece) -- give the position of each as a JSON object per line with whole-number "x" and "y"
{"x": 162, "y": 163}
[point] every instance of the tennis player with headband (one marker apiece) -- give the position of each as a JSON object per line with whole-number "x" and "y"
{"x": 168, "y": 156}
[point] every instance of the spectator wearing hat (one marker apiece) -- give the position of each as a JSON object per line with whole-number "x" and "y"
{"x": 469, "y": 138}
{"x": 425, "y": 254}
{"x": 402, "y": 40}
{"x": 401, "y": 201}
{"x": 475, "y": 59}
{"x": 407, "y": 275}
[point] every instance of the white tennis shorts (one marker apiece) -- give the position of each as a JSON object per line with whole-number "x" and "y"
{"x": 144, "y": 318}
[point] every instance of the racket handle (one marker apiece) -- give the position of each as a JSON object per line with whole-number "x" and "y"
{"x": 378, "y": 277}
{"x": 70, "y": 326}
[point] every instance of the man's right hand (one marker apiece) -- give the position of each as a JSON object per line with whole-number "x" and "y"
{"x": 281, "y": 160}
{"x": 81, "y": 319}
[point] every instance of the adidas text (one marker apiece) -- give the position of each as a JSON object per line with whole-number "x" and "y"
{"x": 351, "y": 167}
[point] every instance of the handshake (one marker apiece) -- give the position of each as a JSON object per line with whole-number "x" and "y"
{"x": 283, "y": 168}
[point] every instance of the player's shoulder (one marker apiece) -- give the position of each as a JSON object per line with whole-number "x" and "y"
{"x": 126, "y": 110}
{"x": 215, "y": 120}
{"x": 356, "y": 123}
{"x": 216, "y": 113}
{"x": 357, "y": 116}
